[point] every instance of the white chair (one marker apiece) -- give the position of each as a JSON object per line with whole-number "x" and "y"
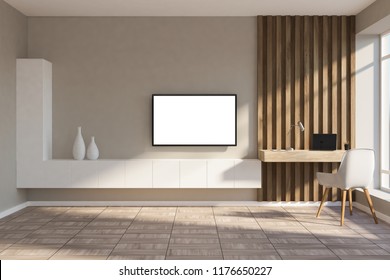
{"x": 356, "y": 171}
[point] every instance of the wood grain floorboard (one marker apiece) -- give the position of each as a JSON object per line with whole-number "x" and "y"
{"x": 178, "y": 231}
{"x": 43, "y": 241}
{"x": 310, "y": 257}
{"x": 246, "y": 246}
{"x": 361, "y": 252}
{"x": 138, "y": 252}
{"x": 13, "y": 235}
{"x": 253, "y": 257}
{"x": 4, "y": 246}
{"x": 87, "y": 240}
{"x": 107, "y": 223}
{"x": 135, "y": 246}
{"x": 292, "y": 246}
{"x": 85, "y": 250}
{"x": 194, "y": 257}
{"x": 102, "y": 231}
{"x": 146, "y": 235}
{"x": 20, "y": 251}
{"x": 19, "y": 227}
{"x": 202, "y": 210}
{"x": 79, "y": 257}
{"x": 24, "y": 257}
{"x": 305, "y": 252}
{"x": 136, "y": 257}
{"x": 193, "y": 251}
{"x": 297, "y": 240}
{"x": 345, "y": 240}
{"x": 239, "y": 235}
{"x": 365, "y": 257}
{"x": 193, "y": 240}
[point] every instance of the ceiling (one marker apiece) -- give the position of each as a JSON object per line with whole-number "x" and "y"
{"x": 188, "y": 7}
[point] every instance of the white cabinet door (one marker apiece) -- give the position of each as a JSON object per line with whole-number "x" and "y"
{"x": 139, "y": 173}
{"x": 166, "y": 174}
{"x": 84, "y": 174}
{"x": 111, "y": 173}
{"x": 57, "y": 173}
{"x": 30, "y": 174}
{"x": 220, "y": 173}
{"x": 193, "y": 174}
{"x": 247, "y": 173}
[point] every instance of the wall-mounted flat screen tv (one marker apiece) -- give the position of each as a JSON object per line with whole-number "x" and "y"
{"x": 194, "y": 119}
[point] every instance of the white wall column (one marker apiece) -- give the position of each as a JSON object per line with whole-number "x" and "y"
{"x": 33, "y": 119}
{"x": 368, "y": 97}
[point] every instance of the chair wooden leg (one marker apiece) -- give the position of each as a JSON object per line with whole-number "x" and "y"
{"x": 350, "y": 201}
{"x": 344, "y": 197}
{"x": 324, "y": 196}
{"x": 368, "y": 197}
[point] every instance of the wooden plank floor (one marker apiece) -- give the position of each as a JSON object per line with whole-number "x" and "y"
{"x": 97, "y": 233}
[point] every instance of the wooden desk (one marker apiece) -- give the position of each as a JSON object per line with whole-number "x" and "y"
{"x": 300, "y": 156}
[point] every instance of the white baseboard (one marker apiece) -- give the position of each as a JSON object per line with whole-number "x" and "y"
{"x": 14, "y": 209}
{"x": 367, "y": 210}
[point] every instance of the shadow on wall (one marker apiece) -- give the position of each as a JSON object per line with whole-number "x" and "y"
{"x": 242, "y": 172}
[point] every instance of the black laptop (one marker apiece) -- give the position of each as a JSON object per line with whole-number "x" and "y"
{"x": 324, "y": 142}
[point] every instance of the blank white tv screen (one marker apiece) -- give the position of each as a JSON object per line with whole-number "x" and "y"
{"x": 194, "y": 120}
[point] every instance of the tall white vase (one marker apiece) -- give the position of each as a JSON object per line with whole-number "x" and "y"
{"x": 92, "y": 151}
{"x": 79, "y": 146}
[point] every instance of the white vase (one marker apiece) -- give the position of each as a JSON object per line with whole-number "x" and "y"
{"x": 79, "y": 146}
{"x": 92, "y": 151}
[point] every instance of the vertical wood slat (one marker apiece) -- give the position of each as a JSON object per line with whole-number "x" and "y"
{"x": 261, "y": 85}
{"x": 305, "y": 73}
{"x": 306, "y": 108}
{"x": 351, "y": 71}
{"x": 288, "y": 87}
{"x": 325, "y": 72}
{"x": 344, "y": 105}
{"x": 269, "y": 94}
{"x": 316, "y": 97}
{"x": 283, "y": 93}
{"x": 327, "y": 88}
{"x": 348, "y": 77}
{"x": 278, "y": 92}
{"x": 270, "y": 121}
{"x": 297, "y": 81}
{"x": 260, "y": 81}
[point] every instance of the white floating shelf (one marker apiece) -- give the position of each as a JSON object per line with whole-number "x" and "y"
{"x": 37, "y": 169}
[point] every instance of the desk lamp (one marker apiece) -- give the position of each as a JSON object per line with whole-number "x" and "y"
{"x": 301, "y": 128}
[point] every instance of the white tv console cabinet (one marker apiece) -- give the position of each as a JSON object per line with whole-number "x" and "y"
{"x": 37, "y": 169}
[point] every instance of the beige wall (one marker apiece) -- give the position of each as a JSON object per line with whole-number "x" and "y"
{"x": 13, "y": 44}
{"x": 105, "y": 71}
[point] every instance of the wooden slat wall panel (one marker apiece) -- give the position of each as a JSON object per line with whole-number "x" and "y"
{"x": 306, "y": 70}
